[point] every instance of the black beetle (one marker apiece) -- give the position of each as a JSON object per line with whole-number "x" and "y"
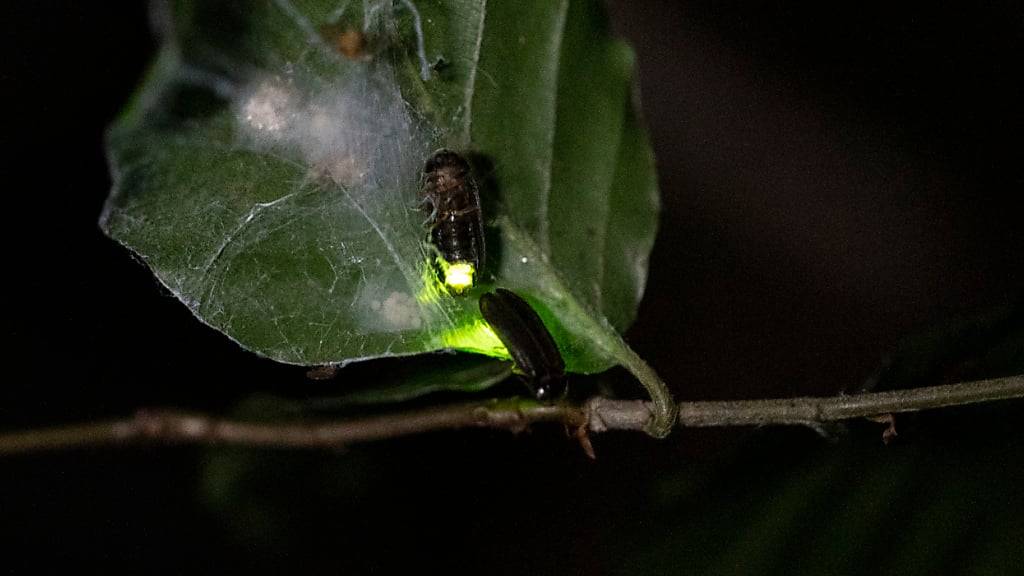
{"x": 450, "y": 194}
{"x": 528, "y": 341}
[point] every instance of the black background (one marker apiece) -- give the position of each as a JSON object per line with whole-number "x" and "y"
{"x": 833, "y": 177}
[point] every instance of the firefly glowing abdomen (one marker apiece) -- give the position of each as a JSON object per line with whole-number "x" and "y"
{"x": 456, "y": 224}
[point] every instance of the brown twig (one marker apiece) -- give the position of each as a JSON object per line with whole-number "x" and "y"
{"x": 595, "y": 415}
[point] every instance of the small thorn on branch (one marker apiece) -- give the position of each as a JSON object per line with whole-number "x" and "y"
{"x": 889, "y": 434}
{"x": 586, "y": 445}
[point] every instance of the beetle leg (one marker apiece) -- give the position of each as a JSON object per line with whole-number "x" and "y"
{"x": 464, "y": 211}
{"x": 428, "y": 201}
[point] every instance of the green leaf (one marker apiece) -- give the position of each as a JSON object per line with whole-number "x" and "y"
{"x": 271, "y": 181}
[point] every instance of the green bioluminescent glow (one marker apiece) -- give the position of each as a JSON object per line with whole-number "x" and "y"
{"x": 476, "y": 337}
{"x": 433, "y": 289}
{"x": 459, "y": 276}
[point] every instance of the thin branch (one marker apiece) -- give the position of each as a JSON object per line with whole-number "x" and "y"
{"x": 811, "y": 411}
{"x": 595, "y": 415}
{"x": 178, "y": 427}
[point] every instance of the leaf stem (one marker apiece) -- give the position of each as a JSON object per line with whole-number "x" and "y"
{"x": 595, "y": 327}
{"x": 662, "y": 406}
{"x": 517, "y": 414}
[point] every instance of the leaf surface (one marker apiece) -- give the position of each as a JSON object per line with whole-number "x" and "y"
{"x": 270, "y": 179}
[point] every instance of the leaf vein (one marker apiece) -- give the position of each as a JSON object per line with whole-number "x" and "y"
{"x": 545, "y": 192}
{"x": 467, "y": 104}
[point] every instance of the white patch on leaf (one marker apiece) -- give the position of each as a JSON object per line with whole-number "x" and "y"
{"x": 401, "y": 311}
{"x": 354, "y": 130}
{"x": 268, "y": 110}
